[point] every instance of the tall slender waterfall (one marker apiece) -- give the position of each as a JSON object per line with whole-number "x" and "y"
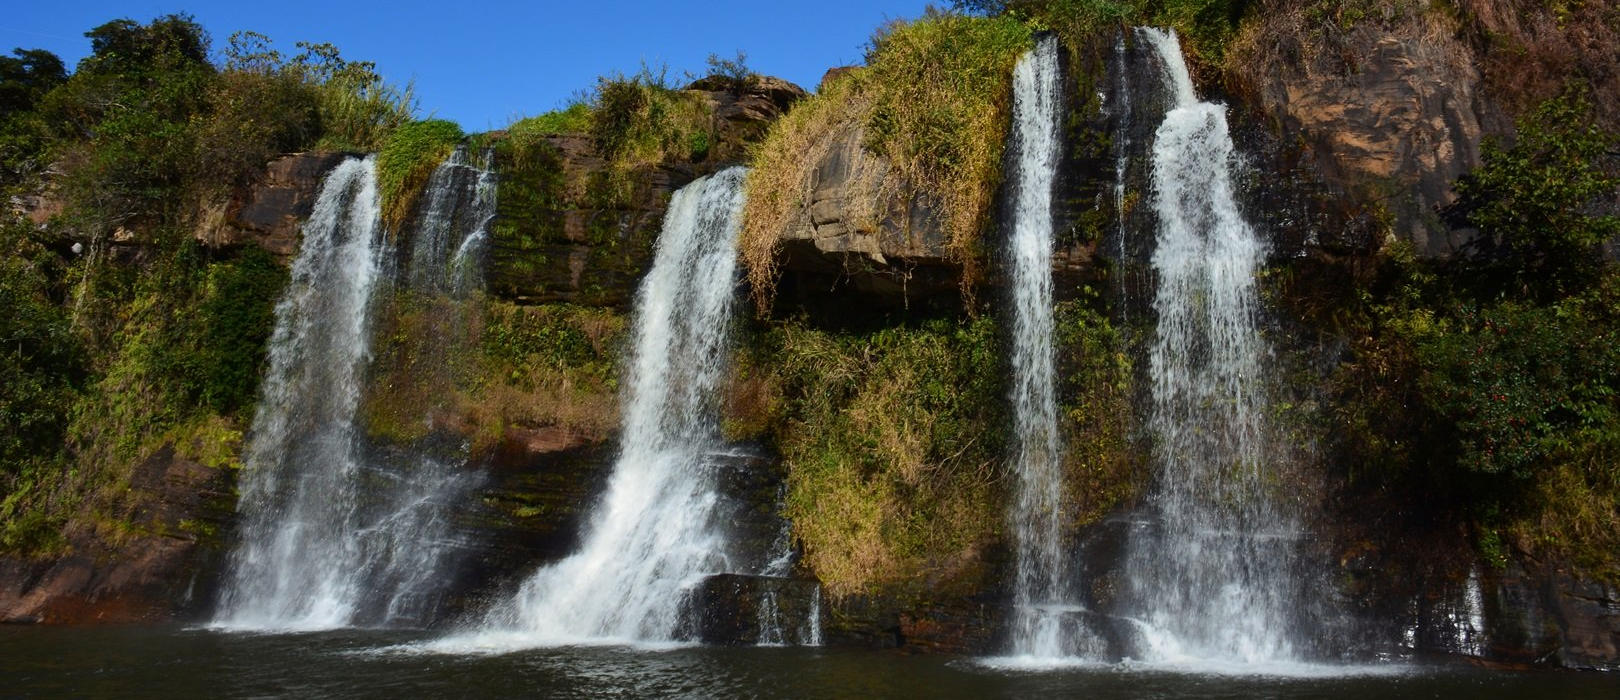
{"x": 1041, "y": 588}
{"x": 294, "y": 567}
{"x": 334, "y": 535}
{"x": 1213, "y": 577}
{"x": 655, "y": 531}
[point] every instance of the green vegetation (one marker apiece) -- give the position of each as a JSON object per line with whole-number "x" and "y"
{"x": 636, "y": 124}
{"x": 893, "y": 441}
{"x": 1207, "y": 27}
{"x": 1493, "y": 382}
{"x": 934, "y": 101}
{"x": 127, "y": 336}
{"x": 484, "y": 366}
{"x": 406, "y": 161}
{"x": 1103, "y": 470}
{"x": 1533, "y": 203}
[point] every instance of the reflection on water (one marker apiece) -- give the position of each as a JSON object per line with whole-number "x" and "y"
{"x": 170, "y": 662}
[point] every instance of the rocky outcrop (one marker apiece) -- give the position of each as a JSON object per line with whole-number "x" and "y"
{"x": 743, "y": 110}
{"x": 568, "y": 230}
{"x": 862, "y": 228}
{"x": 1394, "y": 106}
{"x": 162, "y": 572}
{"x": 1391, "y": 110}
{"x": 745, "y": 610}
{"x": 270, "y": 213}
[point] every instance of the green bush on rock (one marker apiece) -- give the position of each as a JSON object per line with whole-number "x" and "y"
{"x": 406, "y": 161}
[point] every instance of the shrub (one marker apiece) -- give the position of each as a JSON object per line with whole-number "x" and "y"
{"x": 234, "y": 323}
{"x": 1523, "y": 385}
{"x": 406, "y": 161}
{"x": 1536, "y": 203}
{"x": 893, "y": 444}
{"x": 42, "y": 364}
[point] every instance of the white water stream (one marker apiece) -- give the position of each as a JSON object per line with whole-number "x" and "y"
{"x": 654, "y": 533}
{"x": 332, "y": 535}
{"x": 1041, "y": 589}
{"x": 1213, "y": 578}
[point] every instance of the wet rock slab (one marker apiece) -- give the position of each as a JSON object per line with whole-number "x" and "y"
{"x": 746, "y": 610}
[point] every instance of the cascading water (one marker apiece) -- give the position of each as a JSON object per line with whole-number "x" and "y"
{"x": 1041, "y": 588}
{"x": 294, "y": 567}
{"x": 1212, "y": 577}
{"x": 655, "y": 531}
{"x": 459, "y": 198}
{"x": 334, "y": 535}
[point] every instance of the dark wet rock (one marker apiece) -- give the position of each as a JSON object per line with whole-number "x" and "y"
{"x": 270, "y": 214}
{"x": 568, "y": 230}
{"x": 744, "y": 610}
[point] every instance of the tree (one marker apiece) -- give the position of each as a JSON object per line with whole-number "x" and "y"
{"x": 1538, "y": 204}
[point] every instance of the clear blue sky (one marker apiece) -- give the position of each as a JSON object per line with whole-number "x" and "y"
{"x": 482, "y": 64}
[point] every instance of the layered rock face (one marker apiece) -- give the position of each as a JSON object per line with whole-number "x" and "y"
{"x": 269, "y": 215}
{"x": 1393, "y": 112}
{"x": 1396, "y": 107}
{"x": 566, "y": 232}
{"x": 862, "y": 227}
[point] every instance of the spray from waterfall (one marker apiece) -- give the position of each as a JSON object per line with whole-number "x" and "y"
{"x": 655, "y": 531}
{"x": 1212, "y": 576}
{"x": 1041, "y": 589}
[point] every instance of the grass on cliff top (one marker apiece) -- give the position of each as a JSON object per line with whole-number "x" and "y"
{"x": 406, "y": 162}
{"x": 636, "y": 121}
{"x": 934, "y": 100}
{"x": 1206, "y": 27}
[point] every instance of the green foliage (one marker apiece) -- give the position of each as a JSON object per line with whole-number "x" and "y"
{"x": 358, "y": 108}
{"x": 407, "y": 160}
{"x": 640, "y": 120}
{"x": 1206, "y": 26}
{"x": 1536, "y": 203}
{"x": 1492, "y": 383}
{"x": 27, "y": 78}
{"x": 24, "y": 81}
{"x": 159, "y": 343}
{"x": 732, "y": 72}
{"x": 42, "y": 364}
{"x": 573, "y": 119}
{"x": 123, "y": 121}
{"x": 1523, "y": 385}
{"x": 236, "y": 318}
{"x": 546, "y": 340}
{"x": 893, "y": 442}
{"x": 1094, "y": 398}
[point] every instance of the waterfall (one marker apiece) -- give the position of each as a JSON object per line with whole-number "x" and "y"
{"x": 459, "y": 197}
{"x": 1041, "y": 588}
{"x": 1212, "y": 575}
{"x": 332, "y": 534}
{"x": 655, "y": 531}
{"x": 294, "y": 567}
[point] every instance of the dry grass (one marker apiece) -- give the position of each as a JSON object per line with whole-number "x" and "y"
{"x": 783, "y": 176}
{"x": 892, "y": 443}
{"x": 1576, "y": 509}
{"x": 933, "y": 103}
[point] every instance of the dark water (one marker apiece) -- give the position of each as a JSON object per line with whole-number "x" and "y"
{"x": 170, "y": 662}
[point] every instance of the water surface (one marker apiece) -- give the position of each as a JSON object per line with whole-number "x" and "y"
{"x": 168, "y": 662}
